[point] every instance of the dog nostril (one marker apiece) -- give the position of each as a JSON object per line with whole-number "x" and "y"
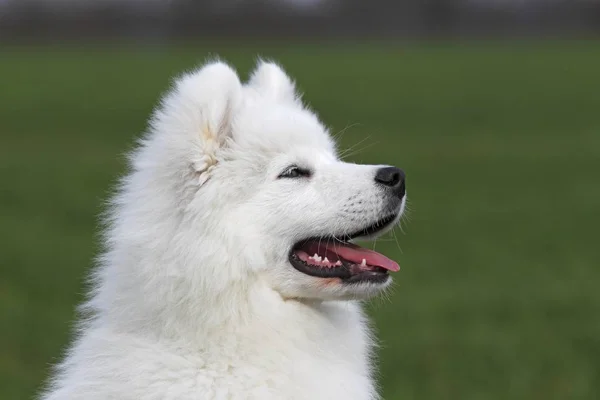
{"x": 390, "y": 176}
{"x": 402, "y": 189}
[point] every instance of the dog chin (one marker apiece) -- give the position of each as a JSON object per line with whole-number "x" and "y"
{"x": 332, "y": 289}
{"x": 360, "y": 291}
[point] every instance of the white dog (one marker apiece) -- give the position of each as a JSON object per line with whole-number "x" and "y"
{"x": 228, "y": 271}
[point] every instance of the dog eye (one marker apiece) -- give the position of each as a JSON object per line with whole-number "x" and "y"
{"x": 294, "y": 171}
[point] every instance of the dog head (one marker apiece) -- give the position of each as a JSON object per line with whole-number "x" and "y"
{"x": 255, "y": 190}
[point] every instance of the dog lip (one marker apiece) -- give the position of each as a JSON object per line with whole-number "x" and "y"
{"x": 371, "y": 230}
{"x": 346, "y": 272}
{"x": 342, "y": 272}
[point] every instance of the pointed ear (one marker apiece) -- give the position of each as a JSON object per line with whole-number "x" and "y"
{"x": 271, "y": 81}
{"x": 200, "y": 109}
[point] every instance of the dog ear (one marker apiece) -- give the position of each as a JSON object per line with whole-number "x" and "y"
{"x": 201, "y": 107}
{"x": 271, "y": 81}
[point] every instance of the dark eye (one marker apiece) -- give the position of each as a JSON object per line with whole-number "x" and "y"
{"x": 294, "y": 171}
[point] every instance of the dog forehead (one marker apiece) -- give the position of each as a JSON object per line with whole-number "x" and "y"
{"x": 278, "y": 128}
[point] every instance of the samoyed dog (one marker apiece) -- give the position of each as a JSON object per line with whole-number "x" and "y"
{"x": 229, "y": 270}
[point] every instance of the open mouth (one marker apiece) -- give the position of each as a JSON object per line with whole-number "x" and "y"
{"x": 336, "y": 257}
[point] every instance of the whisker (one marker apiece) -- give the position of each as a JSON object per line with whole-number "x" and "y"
{"x": 360, "y": 150}
{"x": 340, "y": 133}
{"x": 344, "y": 153}
{"x": 396, "y": 240}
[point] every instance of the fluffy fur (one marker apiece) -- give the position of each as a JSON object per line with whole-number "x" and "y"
{"x": 194, "y": 297}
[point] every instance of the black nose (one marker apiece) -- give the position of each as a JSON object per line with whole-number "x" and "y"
{"x": 393, "y": 178}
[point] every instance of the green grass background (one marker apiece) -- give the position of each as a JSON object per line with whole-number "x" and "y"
{"x": 498, "y": 293}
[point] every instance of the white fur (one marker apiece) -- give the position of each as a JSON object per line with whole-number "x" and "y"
{"x": 194, "y": 297}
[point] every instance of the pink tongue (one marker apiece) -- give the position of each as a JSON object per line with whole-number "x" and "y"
{"x": 356, "y": 254}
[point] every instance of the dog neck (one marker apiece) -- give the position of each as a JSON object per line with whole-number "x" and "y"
{"x": 169, "y": 308}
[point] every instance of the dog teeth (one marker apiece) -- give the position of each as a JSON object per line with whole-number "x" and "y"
{"x": 324, "y": 260}
{"x": 363, "y": 263}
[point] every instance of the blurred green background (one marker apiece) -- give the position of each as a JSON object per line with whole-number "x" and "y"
{"x": 498, "y": 293}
